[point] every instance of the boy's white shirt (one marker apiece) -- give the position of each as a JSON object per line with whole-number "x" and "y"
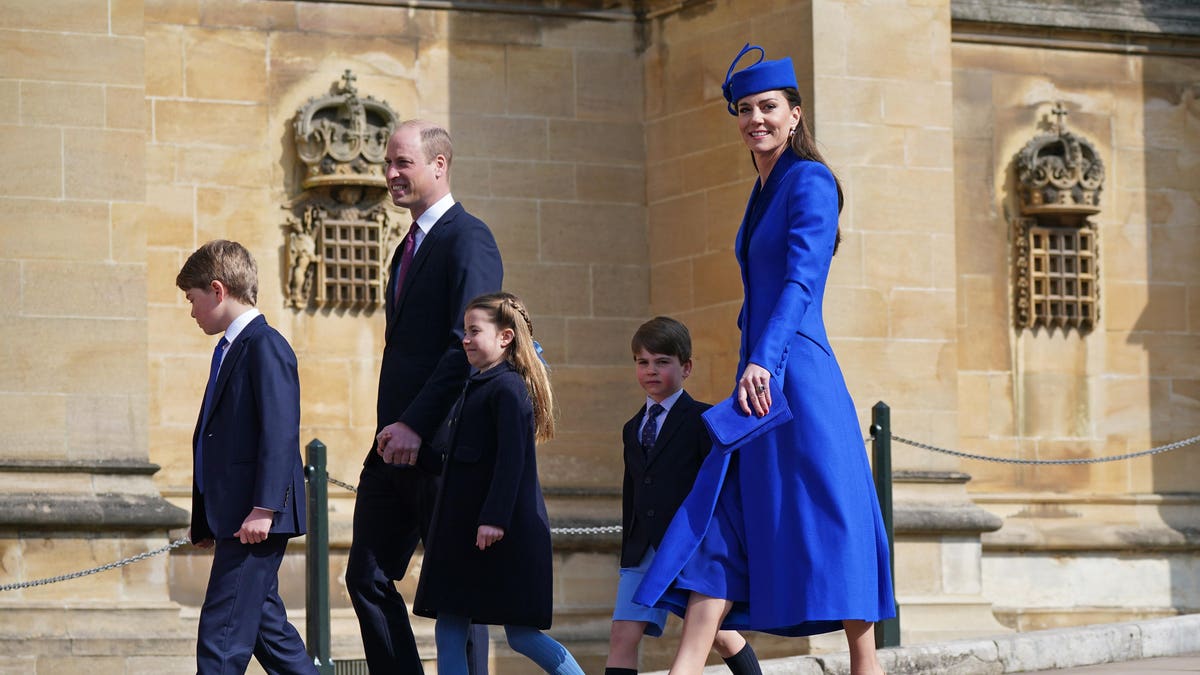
{"x": 666, "y": 404}
{"x": 235, "y": 329}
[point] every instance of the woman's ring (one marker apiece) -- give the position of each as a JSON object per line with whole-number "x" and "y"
{"x": 759, "y": 388}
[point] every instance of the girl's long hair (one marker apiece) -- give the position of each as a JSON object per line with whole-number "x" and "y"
{"x": 507, "y": 311}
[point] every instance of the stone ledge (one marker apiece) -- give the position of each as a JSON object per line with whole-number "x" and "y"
{"x": 1139, "y": 524}
{"x": 1160, "y": 17}
{"x": 33, "y": 647}
{"x": 937, "y": 503}
{"x": 1067, "y": 538}
{"x": 54, "y": 627}
{"x": 93, "y": 513}
{"x": 1019, "y": 652}
{"x": 98, "y": 466}
{"x": 934, "y": 477}
{"x": 923, "y": 518}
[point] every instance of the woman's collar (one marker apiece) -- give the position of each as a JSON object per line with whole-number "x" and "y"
{"x": 785, "y": 159}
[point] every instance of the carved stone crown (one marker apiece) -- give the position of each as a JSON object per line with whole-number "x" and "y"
{"x": 1059, "y": 173}
{"x": 342, "y": 138}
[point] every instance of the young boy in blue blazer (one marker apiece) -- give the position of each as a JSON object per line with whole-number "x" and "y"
{"x": 665, "y": 443}
{"x": 248, "y": 486}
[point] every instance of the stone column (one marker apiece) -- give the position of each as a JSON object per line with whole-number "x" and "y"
{"x": 882, "y": 111}
{"x": 74, "y": 477}
{"x": 939, "y": 558}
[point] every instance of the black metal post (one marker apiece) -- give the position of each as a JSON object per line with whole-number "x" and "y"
{"x": 887, "y": 632}
{"x": 316, "y": 563}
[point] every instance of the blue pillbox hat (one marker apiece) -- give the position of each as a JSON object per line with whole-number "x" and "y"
{"x": 759, "y": 76}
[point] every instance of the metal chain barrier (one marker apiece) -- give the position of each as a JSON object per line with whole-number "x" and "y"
{"x": 1008, "y": 460}
{"x": 616, "y": 529}
{"x": 599, "y": 529}
{"x": 340, "y": 484}
{"x": 103, "y": 568}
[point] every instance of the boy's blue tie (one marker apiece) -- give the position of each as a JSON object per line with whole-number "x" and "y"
{"x": 213, "y": 370}
{"x": 650, "y": 430}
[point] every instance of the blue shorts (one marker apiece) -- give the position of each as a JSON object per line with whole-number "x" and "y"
{"x": 628, "y": 610}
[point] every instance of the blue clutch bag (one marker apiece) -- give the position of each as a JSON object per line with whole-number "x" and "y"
{"x": 731, "y": 428}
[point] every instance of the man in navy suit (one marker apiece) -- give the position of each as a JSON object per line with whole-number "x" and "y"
{"x": 447, "y": 258}
{"x": 248, "y": 486}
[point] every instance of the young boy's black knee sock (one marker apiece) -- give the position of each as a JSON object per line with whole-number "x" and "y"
{"x": 744, "y": 662}
{"x": 620, "y": 671}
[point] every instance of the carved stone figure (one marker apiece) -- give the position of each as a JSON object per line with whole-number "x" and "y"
{"x": 302, "y": 251}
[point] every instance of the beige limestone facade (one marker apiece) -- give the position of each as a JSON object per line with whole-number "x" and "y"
{"x": 593, "y": 138}
{"x": 1087, "y": 533}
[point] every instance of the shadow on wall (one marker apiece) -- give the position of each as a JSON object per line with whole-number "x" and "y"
{"x": 1168, "y": 329}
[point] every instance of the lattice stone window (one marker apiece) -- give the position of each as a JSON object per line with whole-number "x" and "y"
{"x": 351, "y": 263}
{"x": 1054, "y": 243}
{"x": 1062, "y": 277}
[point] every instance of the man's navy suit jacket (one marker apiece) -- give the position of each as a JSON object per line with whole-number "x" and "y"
{"x": 424, "y": 366}
{"x": 251, "y": 439}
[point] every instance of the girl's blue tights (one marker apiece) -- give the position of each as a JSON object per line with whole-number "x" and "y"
{"x": 450, "y": 634}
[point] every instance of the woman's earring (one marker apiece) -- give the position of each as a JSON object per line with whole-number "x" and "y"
{"x": 791, "y": 132}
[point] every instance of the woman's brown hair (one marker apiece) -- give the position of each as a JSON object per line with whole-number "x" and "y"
{"x": 804, "y": 145}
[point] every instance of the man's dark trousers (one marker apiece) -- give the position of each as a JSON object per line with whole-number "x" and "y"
{"x": 405, "y": 497}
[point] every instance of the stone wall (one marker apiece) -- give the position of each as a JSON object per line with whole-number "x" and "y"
{"x": 1127, "y": 385}
{"x": 72, "y": 267}
{"x": 883, "y": 114}
{"x": 75, "y": 484}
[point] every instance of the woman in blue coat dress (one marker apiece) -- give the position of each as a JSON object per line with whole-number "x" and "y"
{"x": 783, "y": 534}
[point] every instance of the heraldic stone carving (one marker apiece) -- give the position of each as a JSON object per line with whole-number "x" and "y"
{"x": 340, "y": 230}
{"x": 1059, "y": 179}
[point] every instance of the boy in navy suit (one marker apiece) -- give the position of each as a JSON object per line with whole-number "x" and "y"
{"x": 665, "y": 443}
{"x": 248, "y": 486}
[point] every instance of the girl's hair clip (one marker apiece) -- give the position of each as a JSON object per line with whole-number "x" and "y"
{"x": 537, "y": 348}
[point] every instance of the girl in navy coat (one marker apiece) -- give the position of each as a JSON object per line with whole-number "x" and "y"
{"x": 487, "y": 556}
{"x": 783, "y": 534}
